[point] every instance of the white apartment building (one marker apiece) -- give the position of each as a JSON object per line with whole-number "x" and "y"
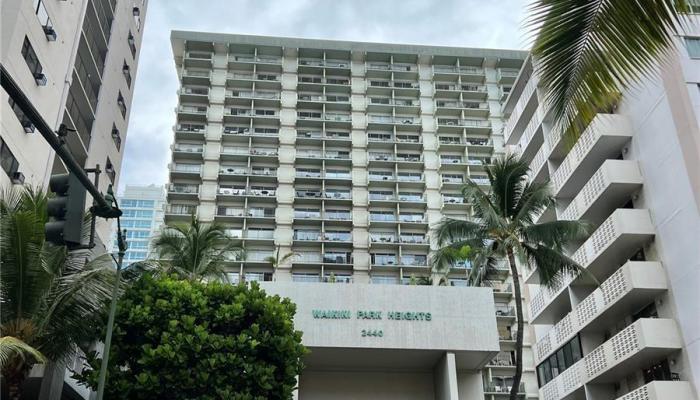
{"x": 634, "y": 174}
{"x": 345, "y": 154}
{"x": 142, "y": 207}
{"x": 76, "y": 61}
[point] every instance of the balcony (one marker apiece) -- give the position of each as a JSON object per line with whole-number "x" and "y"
{"x": 506, "y": 76}
{"x": 186, "y": 131}
{"x": 263, "y": 98}
{"x": 194, "y": 113}
{"x": 183, "y": 191}
{"x": 242, "y": 153}
{"x": 194, "y": 94}
{"x": 317, "y": 65}
{"x": 538, "y": 166}
{"x": 262, "y": 79}
{"x": 615, "y": 240}
{"x": 385, "y": 87}
{"x": 634, "y": 285}
{"x": 317, "y": 82}
{"x": 262, "y": 193}
{"x": 603, "y": 139}
{"x": 198, "y": 59}
{"x": 247, "y": 59}
{"x": 467, "y": 73}
{"x": 501, "y": 388}
{"x": 641, "y": 343}
{"x": 196, "y": 77}
{"x": 232, "y": 131}
{"x": 520, "y": 116}
{"x": 469, "y": 108}
{"x": 185, "y": 170}
{"x": 181, "y": 212}
{"x": 661, "y": 390}
{"x": 457, "y": 125}
{"x": 388, "y": 121}
{"x": 387, "y": 104}
{"x": 387, "y": 69}
{"x": 468, "y": 90}
{"x": 532, "y": 138}
{"x": 311, "y": 135}
{"x": 184, "y": 151}
{"x": 611, "y": 186}
{"x": 329, "y": 119}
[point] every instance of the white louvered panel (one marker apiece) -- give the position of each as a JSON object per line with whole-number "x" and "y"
{"x": 581, "y": 256}
{"x": 561, "y": 174}
{"x": 537, "y": 303}
{"x": 602, "y": 236}
{"x": 550, "y": 391}
{"x": 571, "y": 378}
{"x": 595, "y": 361}
{"x": 625, "y": 342}
{"x": 586, "y": 309}
{"x": 571, "y": 213}
{"x": 640, "y": 394}
{"x": 614, "y": 287}
{"x": 593, "y": 188}
{"x": 539, "y": 159}
{"x": 543, "y": 346}
{"x": 583, "y": 145}
{"x": 563, "y": 329}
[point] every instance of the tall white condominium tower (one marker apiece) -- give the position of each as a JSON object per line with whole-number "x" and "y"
{"x": 143, "y": 207}
{"x": 635, "y": 175}
{"x": 345, "y": 154}
{"x": 76, "y": 62}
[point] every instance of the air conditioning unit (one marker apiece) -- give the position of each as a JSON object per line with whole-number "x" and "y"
{"x": 50, "y": 33}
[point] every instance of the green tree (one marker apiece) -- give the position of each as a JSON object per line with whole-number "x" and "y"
{"x": 589, "y": 51}
{"x": 195, "y": 250}
{"x": 278, "y": 259}
{"x": 184, "y": 339}
{"x": 504, "y": 227}
{"x": 50, "y": 300}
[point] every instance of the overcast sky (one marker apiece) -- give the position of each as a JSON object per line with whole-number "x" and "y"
{"x": 467, "y": 23}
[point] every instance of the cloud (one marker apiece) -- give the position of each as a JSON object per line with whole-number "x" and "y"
{"x": 466, "y": 23}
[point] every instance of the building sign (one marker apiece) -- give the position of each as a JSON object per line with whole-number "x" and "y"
{"x": 376, "y": 315}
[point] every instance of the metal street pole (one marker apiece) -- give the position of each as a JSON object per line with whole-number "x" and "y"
{"x": 112, "y": 311}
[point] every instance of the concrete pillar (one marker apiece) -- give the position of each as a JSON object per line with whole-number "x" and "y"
{"x": 52, "y": 383}
{"x": 445, "y": 376}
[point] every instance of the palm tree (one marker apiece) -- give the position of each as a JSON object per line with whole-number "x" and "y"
{"x": 195, "y": 250}
{"x": 504, "y": 227}
{"x": 52, "y": 301}
{"x": 589, "y": 51}
{"x": 276, "y": 260}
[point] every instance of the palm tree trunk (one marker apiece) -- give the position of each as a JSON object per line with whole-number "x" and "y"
{"x": 519, "y": 334}
{"x": 14, "y": 378}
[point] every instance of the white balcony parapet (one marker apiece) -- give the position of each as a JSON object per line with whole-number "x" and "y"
{"x": 539, "y": 161}
{"x": 603, "y": 139}
{"x": 661, "y": 390}
{"x": 611, "y": 184}
{"x": 530, "y": 130}
{"x": 643, "y": 341}
{"x": 509, "y": 127}
{"x": 633, "y": 285}
{"x": 613, "y": 242}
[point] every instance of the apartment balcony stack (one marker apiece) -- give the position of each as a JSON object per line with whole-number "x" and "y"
{"x": 620, "y": 329}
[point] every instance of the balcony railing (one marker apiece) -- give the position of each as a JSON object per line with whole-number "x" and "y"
{"x": 377, "y": 66}
{"x": 250, "y": 76}
{"x": 472, "y": 105}
{"x": 194, "y": 90}
{"x": 181, "y": 209}
{"x": 393, "y": 84}
{"x": 398, "y": 120}
{"x": 191, "y": 168}
{"x": 462, "y": 88}
{"x": 249, "y": 94}
{"x": 393, "y": 102}
{"x": 641, "y": 343}
{"x": 524, "y": 99}
{"x": 183, "y": 189}
{"x": 661, "y": 390}
{"x": 188, "y": 149}
{"x": 192, "y": 109}
{"x": 467, "y": 123}
{"x": 252, "y": 152}
{"x": 263, "y": 59}
{"x": 318, "y": 62}
{"x": 453, "y": 69}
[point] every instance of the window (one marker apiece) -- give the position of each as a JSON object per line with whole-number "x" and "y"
{"x": 7, "y": 160}
{"x": 694, "y": 6}
{"x": 116, "y": 137}
{"x": 126, "y": 70}
{"x": 137, "y": 214}
{"x": 109, "y": 169}
{"x": 33, "y": 62}
{"x": 21, "y": 116}
{"x": 692, "y": 44}
{"x": 132, "y": 44}
{"x": 121, "y": 104}
{"x": 137, "y": 203}
{"x": 44, "y": 20}
{"x": 559, "y": 361}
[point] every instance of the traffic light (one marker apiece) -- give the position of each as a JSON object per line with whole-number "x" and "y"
{"x": 65, "y": 210}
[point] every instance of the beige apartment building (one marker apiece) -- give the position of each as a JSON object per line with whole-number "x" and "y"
{"x": 345, "y": 154}
{"x": 634, "y": 174}
{"x": 76, "y": 61}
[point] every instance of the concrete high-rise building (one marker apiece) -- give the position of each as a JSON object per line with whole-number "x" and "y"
{"x": 76, "y": 61}
{"x": 634, "y": 174}
{"x": 346, "y": 154}
{"x": 142, "y": 207}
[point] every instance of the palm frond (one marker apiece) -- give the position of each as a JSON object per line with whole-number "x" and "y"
{"x": 536, "y": 197}
{"x": 450, "y": 230}
{"x": 483, "y": 206}
{"x": 552, "y": 265}
{"x": 507, "y": 175}
{"x": 589, "y": 51}
{"x": 11, "y": 347}
{"x": 556, "y": 234}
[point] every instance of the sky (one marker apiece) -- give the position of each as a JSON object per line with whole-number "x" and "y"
{"x": 464, "y": 23}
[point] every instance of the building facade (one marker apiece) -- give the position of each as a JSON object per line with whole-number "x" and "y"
{"x": 634, "y": 174}
{"x": 142, "y": 207}
{"x": 76, "y": 62}
{"x": 344, "y": 154}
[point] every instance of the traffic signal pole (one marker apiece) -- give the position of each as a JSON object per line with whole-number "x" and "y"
{"x": 102, "y": 207}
